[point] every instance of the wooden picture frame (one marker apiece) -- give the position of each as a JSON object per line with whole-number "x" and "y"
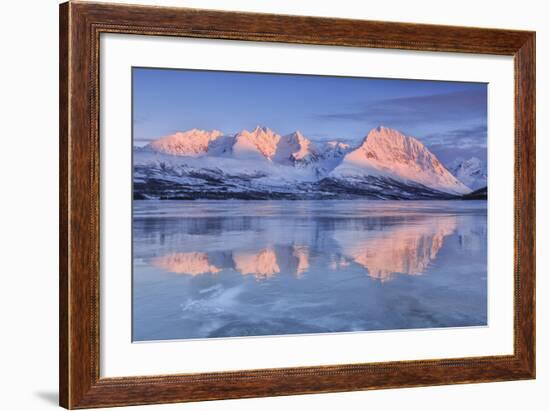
{"x": 80, "y": 27}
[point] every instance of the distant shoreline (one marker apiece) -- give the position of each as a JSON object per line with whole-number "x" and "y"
{"x": 251, "y": 197}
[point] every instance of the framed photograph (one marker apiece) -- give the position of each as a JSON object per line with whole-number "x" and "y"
{"x": 259, "y": 205}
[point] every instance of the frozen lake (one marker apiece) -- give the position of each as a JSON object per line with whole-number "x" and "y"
{"x": 249, "y": 268}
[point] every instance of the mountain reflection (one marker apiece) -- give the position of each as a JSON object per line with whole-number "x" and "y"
{"x": 406, "y": 246}
{"x": 185, "y": 263}
{"x": 262, "y": 264}
{"x": 302, "y": 254}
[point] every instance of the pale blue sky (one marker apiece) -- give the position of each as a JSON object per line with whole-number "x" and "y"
{"x": 450, "y": 118}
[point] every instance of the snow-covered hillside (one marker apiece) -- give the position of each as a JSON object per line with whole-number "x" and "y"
{"x": 260, "y": 143}
{"x": 263, "y": 164}
{"x": 295, "y": 149}
{"x": 188, "y": 143}
{"x": 471, "y": 172}
{"x": 388, "y": 153}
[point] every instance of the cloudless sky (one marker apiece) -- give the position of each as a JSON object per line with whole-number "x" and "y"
{"x": 450, "y": 118}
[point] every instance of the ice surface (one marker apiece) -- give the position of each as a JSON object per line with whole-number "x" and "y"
{"x": 206, "y": 269}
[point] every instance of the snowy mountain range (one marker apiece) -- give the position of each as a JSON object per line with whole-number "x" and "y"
{"x": 261, "y": 164}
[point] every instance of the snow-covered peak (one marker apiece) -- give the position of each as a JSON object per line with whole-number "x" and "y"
{"x": 260, "y": 142}
{"x": 292, "y": 148}
{"x": 389, "y": 153}
{"x": 337, "y": 145}
{"x": 473, "y": 163}
{"x": 471, "y": 172}
{"x": 389, "y": 142}
{"x": 191, "y": 143}
{"x": 334, "y": 149}
{"x": 297, "y": 136}
{"x": 303, "y": 145}
{"x": 262, "y": 129}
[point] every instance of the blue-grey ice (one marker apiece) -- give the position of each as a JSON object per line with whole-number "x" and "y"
{"x": 233, "y": 268}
